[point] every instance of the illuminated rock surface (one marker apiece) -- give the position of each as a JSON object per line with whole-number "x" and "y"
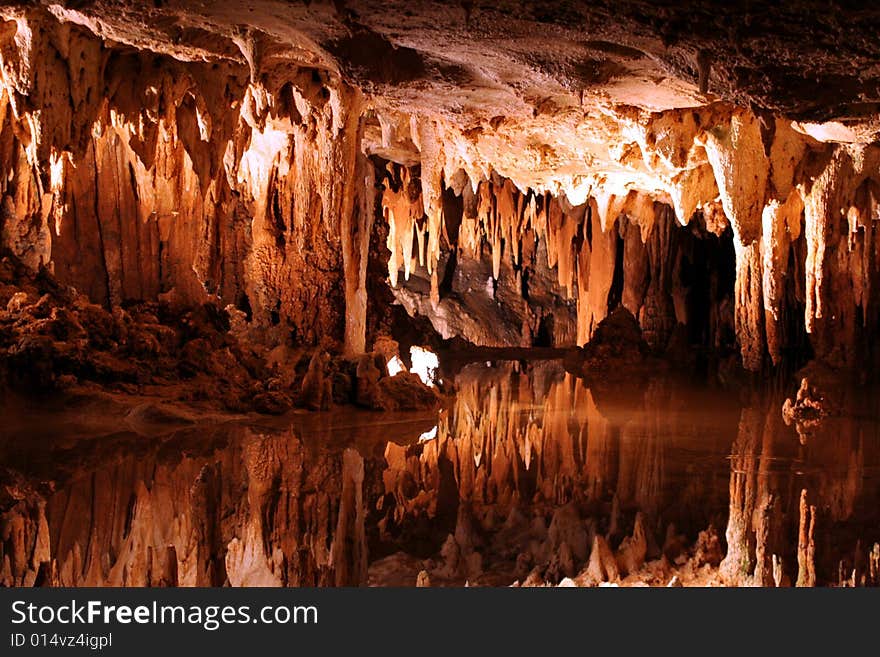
{"x": 526, "y": 178}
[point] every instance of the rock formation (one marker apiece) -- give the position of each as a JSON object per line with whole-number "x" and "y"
{"x": 175, "y": 153}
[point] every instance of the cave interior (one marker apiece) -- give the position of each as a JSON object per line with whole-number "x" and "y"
{"x": 418, "y": 293}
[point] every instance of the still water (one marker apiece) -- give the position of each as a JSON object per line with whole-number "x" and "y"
{"x": 516, "y": 479}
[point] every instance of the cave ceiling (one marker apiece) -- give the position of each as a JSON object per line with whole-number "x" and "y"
{"x": 538, "y": 91}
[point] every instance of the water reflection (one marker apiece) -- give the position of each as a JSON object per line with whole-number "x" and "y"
{"x": 805, "y": 511}
{"x": 99, "y": 493}
{"x": 527, "y": 459}
{"x": 530, "y": 466}
{"x": 527, "y": 475}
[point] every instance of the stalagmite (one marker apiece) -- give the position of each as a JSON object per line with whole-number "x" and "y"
{"x": 602, "y": 566}
{"x": 631, "y": 554}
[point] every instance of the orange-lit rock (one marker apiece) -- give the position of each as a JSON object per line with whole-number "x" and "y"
{"x": 254, "y": 213}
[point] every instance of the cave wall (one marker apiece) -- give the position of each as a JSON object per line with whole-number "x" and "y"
{"x": 800, "y": 213}
{"x": 132, "y": 174}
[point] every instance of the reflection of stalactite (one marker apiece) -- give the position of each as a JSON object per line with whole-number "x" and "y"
{"x": 738, "y": 562}
{"x": 516, "y": 438}
{"x": 641, "y": 483}
{"x": 258, "y": 512}
{"x": 780, "y": 517}
{"x": 756, "y": 530}
{"x": 806, "y": 542}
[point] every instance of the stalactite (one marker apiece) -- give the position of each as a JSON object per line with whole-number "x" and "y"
{"x": 740, "y": 165}
{"x": 561, "y": 230}
{"x": 402, "y": 211}
{"x": 749, "y": 314}
{"x": 781, "y": 225}
{"x": 593, "y": 289}
{"x": 432, "y": 189}
{"x": 608, "y": 204}
{"x": 134, "y": 173}
{"x": 515, "y": 226}
{"x": 636, "y": 265}
{"x": 657, "y": 315}
{"x": 194, "y": 198}
{"x": 355, "y": 259}
{"x": 691, "y": 189}
{"x": 834, "y": 256}
{"x": 353, "y": 182}
{"x": 639, "y": 209}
